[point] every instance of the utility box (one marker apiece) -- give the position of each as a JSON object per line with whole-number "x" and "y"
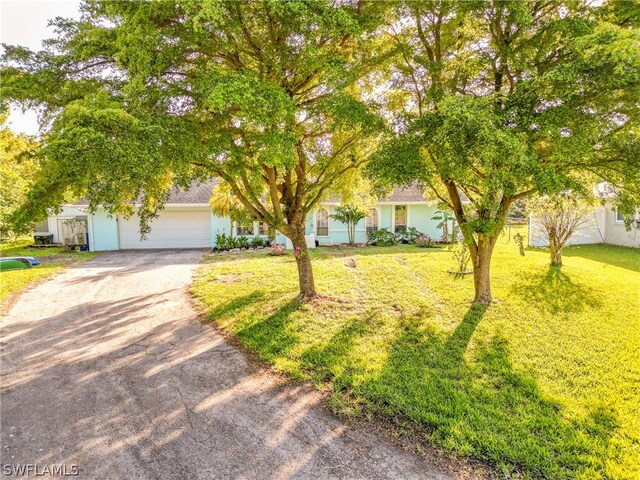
{"x": 41, "y": 238}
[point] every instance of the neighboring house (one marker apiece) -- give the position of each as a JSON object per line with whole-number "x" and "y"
{"x": 607, "y": 227}
{"x": 187, "y": 222}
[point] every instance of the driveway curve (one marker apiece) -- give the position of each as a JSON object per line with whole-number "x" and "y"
{"x": 107, "y": 367}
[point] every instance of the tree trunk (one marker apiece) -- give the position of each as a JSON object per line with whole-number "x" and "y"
{"x": 556, "y": 257}
{"x": 482, "y": 269}
{"x": 555, "y": 252}
{"x": 305, "y": 270}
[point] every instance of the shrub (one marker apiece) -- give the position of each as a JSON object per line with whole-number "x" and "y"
{"x": 462, "y": 257}
{"x": 414, "y": 234}
{"x": 227, "y": 242}
{"x": 425, "y": 241}
{"x": 277, "y": 250}
{"x": 241, "y": 242}
{"x": 382, "y": 237}
{"x": 224, "y": 242}
{"x": 259, "y": 242}
{"x": 409, "y": 235}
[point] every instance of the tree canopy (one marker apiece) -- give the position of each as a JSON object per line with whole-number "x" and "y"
{"x": 488, "y": 102}
{"x": 493, "y": 101}
{"x": 145, "y": 95}
{"x": 18, "y": 170}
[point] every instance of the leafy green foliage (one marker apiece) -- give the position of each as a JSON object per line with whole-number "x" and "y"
{"x": 461, "y": 257}
{"x": 256, "y": 242}
{"x": 501, "y": 99}
{"x": 444, "y": 216}
{"x": 145, "y": 95}
{"x": 227, "y": 242}
{"x": 18, "y": 170}
{"x": 382, "y": 237}
{"x": 409, "y": 235}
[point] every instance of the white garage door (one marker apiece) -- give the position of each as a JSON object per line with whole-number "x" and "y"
{"x": 172, "y": 229}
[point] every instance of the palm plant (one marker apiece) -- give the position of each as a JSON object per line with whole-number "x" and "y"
{"x": 443, "y": 215}
{"x": 350, "y": 215}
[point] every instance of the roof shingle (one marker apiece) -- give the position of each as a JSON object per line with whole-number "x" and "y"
{"x": 200, "y": 193}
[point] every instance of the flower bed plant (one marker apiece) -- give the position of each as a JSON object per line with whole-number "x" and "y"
{"x": 277, "y": 250}
{"x": 226, "y": 242}
{"x": 425, "y": 241}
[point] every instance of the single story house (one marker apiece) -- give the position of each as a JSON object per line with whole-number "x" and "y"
{"x": 187, "y": 222}
{"x": 607, "y": 226}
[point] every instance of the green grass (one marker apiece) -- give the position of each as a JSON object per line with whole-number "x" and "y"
{"x": 53, "y": 261}
{"x": 543, "y": 383}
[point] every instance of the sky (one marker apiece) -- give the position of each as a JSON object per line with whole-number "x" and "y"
{"x": 24, "y": 22}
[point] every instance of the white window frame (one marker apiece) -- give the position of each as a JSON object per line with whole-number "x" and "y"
{"x": 366, "y": 221}
{"x": 236, "y": 226}
{"x": 393, "y": 216}
{"x": 618, "y": 220}
{"x": 315, "y": 222}
{"x": 266, "y": 226}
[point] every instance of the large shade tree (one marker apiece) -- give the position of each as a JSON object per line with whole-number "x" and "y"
{"x": 493, "y": 101}
{"x": 18, "y": 170}
{"x": 140, "y": 96}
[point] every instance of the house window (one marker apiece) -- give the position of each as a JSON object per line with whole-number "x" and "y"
{"x": 322, "y": 223}
{"x": 42, "y": 227}
{"x": 400, "y": 222}
{"x": 619, "y": 217}
{"x": 244, "y": 228}
{"x": 263, "y": 228}
{"x": 372, "y": 220}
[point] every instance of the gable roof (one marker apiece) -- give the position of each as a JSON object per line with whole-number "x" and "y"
{"x": 200, "y": 192}
{"x": 411, "y": 193}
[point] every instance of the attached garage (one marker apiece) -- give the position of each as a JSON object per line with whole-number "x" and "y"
{"x": 174, "y": 228}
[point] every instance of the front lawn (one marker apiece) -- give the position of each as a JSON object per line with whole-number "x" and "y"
{"x": 53, "y": 260}
{"x": 546, "y": 382}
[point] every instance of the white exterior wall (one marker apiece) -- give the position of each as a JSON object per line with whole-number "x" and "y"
{"x": 604, "y": 229}
{"x": 590, "y": 234}
{"x": 616, "y": 233}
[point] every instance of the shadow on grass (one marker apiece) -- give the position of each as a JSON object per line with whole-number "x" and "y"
{"x": 326, "y": 364}
{"x": 338, "y": 251}
{"x": 472, "y": 401}
{"x": 323, "y": 253}
{"x": 623, "y": 257}
{"x": 556, "y": 292}
{"x": 272, "y": 336}
{"x": 227, "y": 309}
{"x": 460, "y": 394}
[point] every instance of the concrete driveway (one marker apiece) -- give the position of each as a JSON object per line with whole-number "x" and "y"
{"x": 106, "y": 367}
